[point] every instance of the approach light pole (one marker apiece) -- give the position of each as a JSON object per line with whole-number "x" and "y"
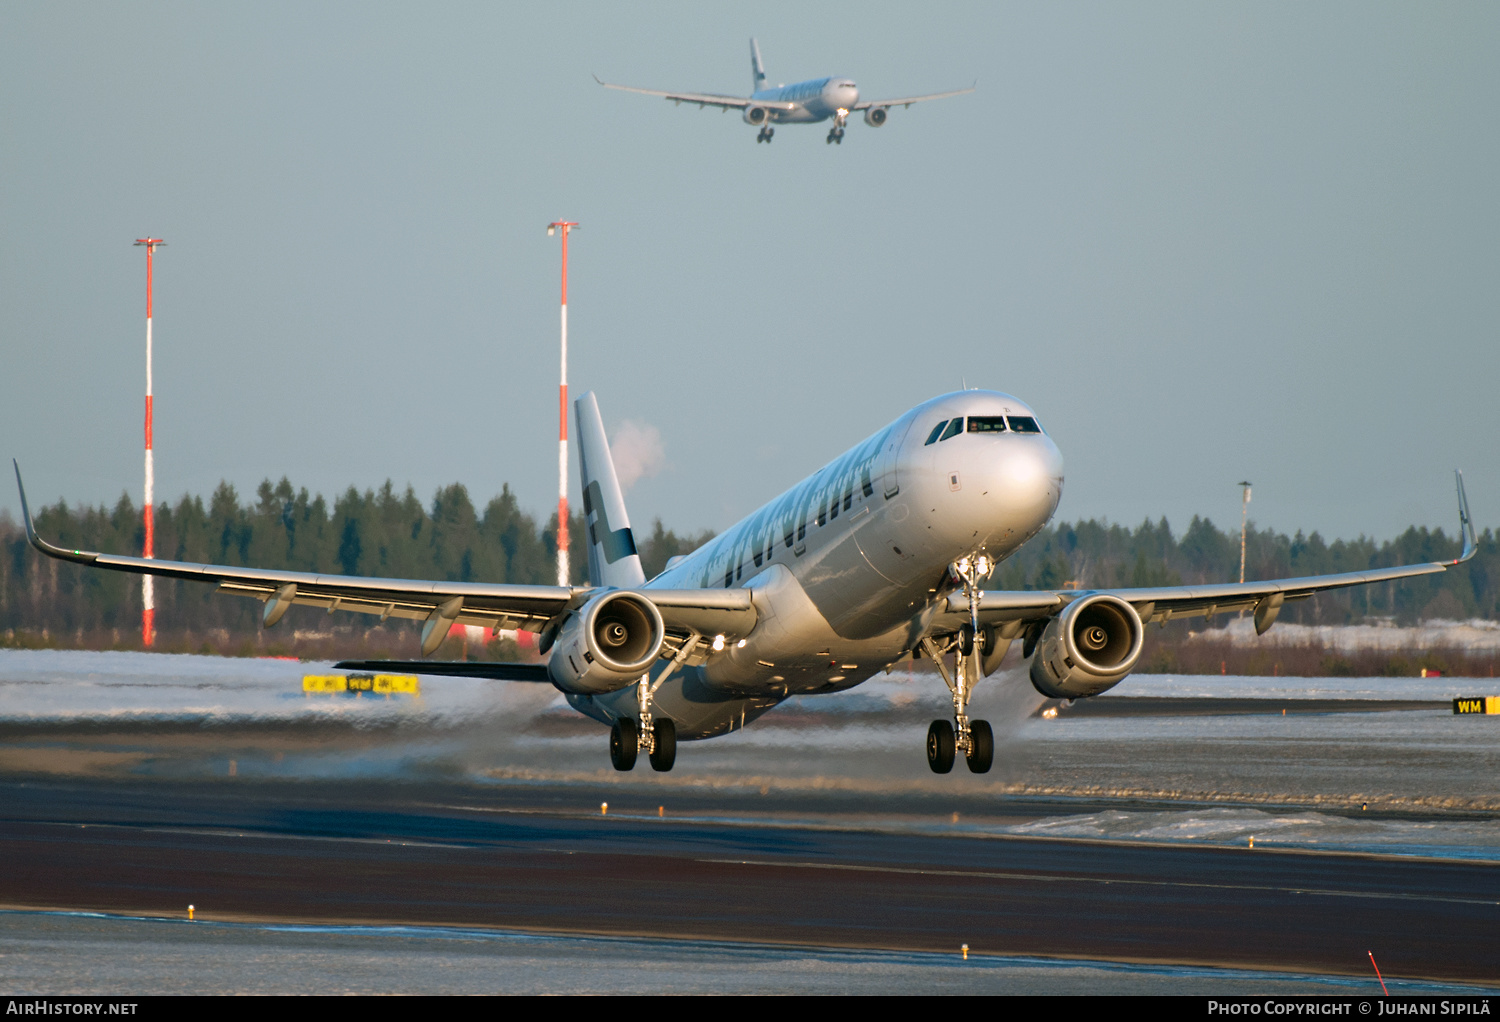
{"x": 566, "y": 226}
{"x": 1244, "y": 518}
{"x": 148, "y": 595}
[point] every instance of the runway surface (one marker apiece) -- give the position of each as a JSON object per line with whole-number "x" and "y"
{"x": 718, "y": 866}
{"x": 454, "y": 841}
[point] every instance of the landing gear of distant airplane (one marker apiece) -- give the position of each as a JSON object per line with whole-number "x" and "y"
{"x": 836, "y": 133}
{"x": 765, "y": 134}
{"x": 974, "y": 739}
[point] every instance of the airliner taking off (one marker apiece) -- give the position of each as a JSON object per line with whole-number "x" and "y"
{"x": 878, "y": 557}
{"x": 809, "y": 102}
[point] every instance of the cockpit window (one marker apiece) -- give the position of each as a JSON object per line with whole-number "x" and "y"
{"x": 955, "y": 427}
{"x": 1024, "y": 424}
{"x": 986, "y": 424}
{"x": 936, "y": 431}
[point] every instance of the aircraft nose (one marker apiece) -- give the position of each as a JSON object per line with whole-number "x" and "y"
{"x": 1026, "y": 478}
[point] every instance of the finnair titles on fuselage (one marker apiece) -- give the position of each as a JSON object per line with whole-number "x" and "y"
{"x": 808, "y": 102}
{"x": 876, "y": 558}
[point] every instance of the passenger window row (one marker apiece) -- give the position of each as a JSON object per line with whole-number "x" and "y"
{"x": 949, "y": 428}
{"x": 828, "y": 509}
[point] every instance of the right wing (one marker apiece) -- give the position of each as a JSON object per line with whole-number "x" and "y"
{"x": 685, "y": 612}
{"x": 1015, "y": 611}
{"x": 703, "y": 99}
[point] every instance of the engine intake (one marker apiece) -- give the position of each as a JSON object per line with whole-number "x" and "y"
{"x": 607, "y": 645}
{"x": 1091, "y": 646}
{"x": 875, "y": 116}
{"x": 755, "y": 115}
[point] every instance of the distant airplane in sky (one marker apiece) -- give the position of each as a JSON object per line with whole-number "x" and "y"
{"x": 877, "y": 558}
{"x": 809, "y": 102}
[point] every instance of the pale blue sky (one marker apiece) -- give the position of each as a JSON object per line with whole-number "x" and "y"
{"x": 1206, "y": 241}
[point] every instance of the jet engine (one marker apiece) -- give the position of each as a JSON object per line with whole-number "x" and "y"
{"x": 1087, "y": 648}
{"x": 755, "y": 115}
{"x": 875, "y": 116}
{"x": 606, "y": 645}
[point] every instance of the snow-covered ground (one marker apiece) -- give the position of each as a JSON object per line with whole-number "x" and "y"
{"x": 1211, "y": 778}
{"x": 1474, "y": 634}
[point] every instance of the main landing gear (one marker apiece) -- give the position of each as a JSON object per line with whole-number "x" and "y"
{"x": 974, "y": 739}
{"x": 766, "y": 134}
{"x": 629, "y": 737}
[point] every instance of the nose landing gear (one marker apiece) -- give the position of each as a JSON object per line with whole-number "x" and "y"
{"x": 975, "y": 739}
{"x": 836, "y": 133}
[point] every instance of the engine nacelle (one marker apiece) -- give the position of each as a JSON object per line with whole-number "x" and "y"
{"x": 608, "y": 644}
{"x": 1087, "y": 648}
{"x": 875, "y": 116}
{"x": 755, "y": 115}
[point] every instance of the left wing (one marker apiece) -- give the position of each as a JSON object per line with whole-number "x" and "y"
{"x": 703, "y": 99}
{"x": 1164, "y": 603}
{"x": 534, "y": 608}
{"x": 909, "y": 100}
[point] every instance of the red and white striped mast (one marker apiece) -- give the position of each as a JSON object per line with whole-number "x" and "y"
{"x": 148, "y": 599}
{"x": 566, "y": 226}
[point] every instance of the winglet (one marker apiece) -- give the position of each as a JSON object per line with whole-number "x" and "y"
{"x": 596, "y": 78}
{"x": 37, "y": 541}
{"x": 1465, "y": 523}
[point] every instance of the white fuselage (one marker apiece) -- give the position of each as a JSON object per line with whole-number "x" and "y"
{"x": 815, "y": 100}
{"x": 851, "y": 563}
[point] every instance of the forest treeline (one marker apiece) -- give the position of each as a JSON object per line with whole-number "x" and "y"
{"x": 394, "y": 534}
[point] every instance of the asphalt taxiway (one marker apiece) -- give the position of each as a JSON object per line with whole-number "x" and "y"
{"x": 725, "y": 866}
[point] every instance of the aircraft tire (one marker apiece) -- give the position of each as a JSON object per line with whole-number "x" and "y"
{"x": 665, "y": 752}
{"x": 981, "y": 754}
{"x": 966, "y": 640}
{"x": 623, "y": 744}
{"x": 940, "y": 746}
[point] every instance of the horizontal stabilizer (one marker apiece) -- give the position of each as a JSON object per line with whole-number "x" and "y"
{"x": 450, "y": 669}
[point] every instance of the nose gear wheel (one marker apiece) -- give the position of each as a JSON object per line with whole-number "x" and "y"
{"x": 974, "y": 739}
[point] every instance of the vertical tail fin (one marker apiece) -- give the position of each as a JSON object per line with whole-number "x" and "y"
{"x": 613, "y": 560}
{"x": 757, "y": 69}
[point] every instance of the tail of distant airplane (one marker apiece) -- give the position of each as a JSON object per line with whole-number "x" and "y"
{"x": 613, "y": 560}
{"x": 757, "y": 69}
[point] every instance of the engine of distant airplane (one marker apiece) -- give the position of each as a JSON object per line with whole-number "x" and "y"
{"x": 607, "y": 645}
{"x": 1091, "y": 646}
{"x": 875, "y": 116}
{"x": 755, "y": 115}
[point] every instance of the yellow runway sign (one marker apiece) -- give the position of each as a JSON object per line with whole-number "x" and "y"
{"x": 376, "y": 684}
{"x": 1477, "y": 704}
